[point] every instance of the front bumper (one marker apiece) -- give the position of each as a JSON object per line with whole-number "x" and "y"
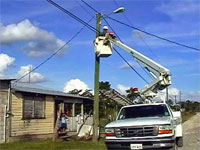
{"x": 147, "y": 143}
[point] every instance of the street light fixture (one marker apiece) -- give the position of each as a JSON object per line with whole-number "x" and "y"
{"x": 119, "y": 10}
{"x": 116, "y": 11}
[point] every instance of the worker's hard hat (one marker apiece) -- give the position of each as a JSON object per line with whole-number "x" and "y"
{"x": 105, "y": 27}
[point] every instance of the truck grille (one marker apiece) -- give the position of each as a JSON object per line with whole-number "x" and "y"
{"x": 140, "y": 131}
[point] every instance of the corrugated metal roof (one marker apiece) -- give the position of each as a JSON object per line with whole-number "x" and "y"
{"x": 6, "y": 78}
{"x": 33, "y": 88}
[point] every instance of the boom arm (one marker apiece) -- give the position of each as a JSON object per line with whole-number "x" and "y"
{"x": 162, "y": 78}
{"x": 161, "y": 74}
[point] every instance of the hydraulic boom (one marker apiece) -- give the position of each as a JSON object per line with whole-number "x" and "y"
{"x": 161, "y": 75}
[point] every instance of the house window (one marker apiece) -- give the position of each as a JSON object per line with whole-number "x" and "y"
{"x": 34, "y": 107}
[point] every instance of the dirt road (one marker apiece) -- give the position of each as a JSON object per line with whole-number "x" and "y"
{"x": 191, "y": 133}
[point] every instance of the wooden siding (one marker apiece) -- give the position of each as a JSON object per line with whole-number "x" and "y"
{"x": 20, "y": 127}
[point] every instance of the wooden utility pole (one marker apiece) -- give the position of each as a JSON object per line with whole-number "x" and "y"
{"x": 167, "y": 96}
{"x": 175, "y": 99}
{"x": 96, "y": 87}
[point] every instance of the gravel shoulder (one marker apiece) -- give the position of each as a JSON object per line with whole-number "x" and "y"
{"x": 191, "y": 133}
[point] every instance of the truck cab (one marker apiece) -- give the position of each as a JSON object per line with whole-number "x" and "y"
{"x": 145, "y": 126}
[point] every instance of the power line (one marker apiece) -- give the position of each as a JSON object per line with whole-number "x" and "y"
{"x": 141, "y": 39}
{"x": 90, "y": 6}
{"x": 124, "y": 58}
{"x": 83, "y": 8}
{"x": 125, "y": 16}
{"x": 72, "y": 15}
{"x": 180, "y": 44}
{"x": 58, "y": 50}
{"x": 120, "y": 40}
{"x": 131, "y": 66}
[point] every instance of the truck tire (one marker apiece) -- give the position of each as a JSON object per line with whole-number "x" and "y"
{"x": 179, "y": 141}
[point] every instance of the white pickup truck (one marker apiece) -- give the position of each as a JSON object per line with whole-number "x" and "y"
{"x": 145, "y": 126}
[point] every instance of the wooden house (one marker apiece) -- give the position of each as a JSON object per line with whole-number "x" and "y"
{"x": 29, "y": 111}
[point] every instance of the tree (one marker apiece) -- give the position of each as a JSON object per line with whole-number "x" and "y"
{"x": 87, "y": 93}
{"x": 75, "y": 92}
{"x": 104, "y": 85}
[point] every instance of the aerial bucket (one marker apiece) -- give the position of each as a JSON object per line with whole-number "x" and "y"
{"x": 102, "y": 48}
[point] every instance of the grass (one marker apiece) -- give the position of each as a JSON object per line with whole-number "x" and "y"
{"x": 57, "y": 145}
{"x": 187, "y": 115}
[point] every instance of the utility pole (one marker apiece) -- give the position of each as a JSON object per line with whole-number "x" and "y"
{"x": 175, "y": 99}
{"x": 167, "y": 96}
{"x": 96, "y": 87}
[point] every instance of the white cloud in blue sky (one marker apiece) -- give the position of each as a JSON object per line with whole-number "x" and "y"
{"x": 33, "y": 77}
{"x": 38, "y": 42}
{"x": 5, "y": 62}
{"x": 122, "y": 89}
{"x": 75, "y": 84}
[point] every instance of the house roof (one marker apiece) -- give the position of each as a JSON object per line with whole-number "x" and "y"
{"x": 115, "y": 96}
{"x": 6, "y": 79}
{"x": 34, "y": 88}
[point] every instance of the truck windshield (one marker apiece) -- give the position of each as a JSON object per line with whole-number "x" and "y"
{"x": 144, "y": 111}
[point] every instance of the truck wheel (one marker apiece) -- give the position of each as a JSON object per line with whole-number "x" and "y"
{"x": 179, "y": 141}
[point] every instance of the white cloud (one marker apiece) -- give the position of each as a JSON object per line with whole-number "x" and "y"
{"x": 5, "y": 62}
{"x": 126, "y": 66}
{"x": 34, "y": 77}
{"x": 191, "y": 95}
{"x": 175, "y": 8}
{"x": 172, "y": 92}
{"x": 183, "y": 25}
{"x": 75, "y": 84}
{"x": 122, "y": 88}
{"x": 193, "y": 75}
{"x": 39, "y": 42}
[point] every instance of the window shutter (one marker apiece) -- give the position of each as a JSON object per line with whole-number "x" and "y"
{"x": 28, "y": 107}
{"x": 39, "y": 107}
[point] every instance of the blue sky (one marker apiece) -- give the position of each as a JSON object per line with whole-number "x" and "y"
{"x": 31, "y": 30}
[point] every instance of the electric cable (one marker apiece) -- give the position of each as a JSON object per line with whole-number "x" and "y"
{"x": 131, "y": 66}
{"x": 120, "y": 40}
{"x": 90, "y": 6}
{"x": 58, "y": 50}
{"x": 159, "y": 37}
{"x": 83, "y": 8}
{"x": 141, "y": 39}
{"x": 129, "y": 21}
{"x": 72, "y": 15}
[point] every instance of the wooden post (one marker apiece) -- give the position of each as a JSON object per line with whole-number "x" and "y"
{"x": 96, "y": 87}
{"x": 82, "y": 109}
{"x": 57, "y": 122}
{"x": 73, "y": 110}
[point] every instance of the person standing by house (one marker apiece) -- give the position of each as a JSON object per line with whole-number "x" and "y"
{"x": 63, "y": 122}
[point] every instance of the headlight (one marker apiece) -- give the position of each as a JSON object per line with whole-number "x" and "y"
{"x": 109, "y": 132}
{"x": 165, "y": 129}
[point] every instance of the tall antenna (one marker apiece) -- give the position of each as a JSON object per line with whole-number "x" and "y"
{"x": 29, "y": 76}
